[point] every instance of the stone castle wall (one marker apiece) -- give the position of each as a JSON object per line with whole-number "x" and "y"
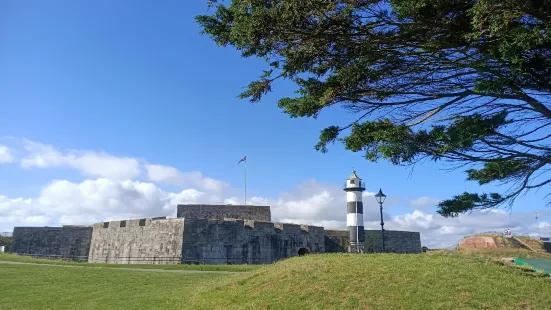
{"x": 202, "y": 234}
{"x": 247, "y": 242}
{"x": 66, "y": 241}
{"x": 157, "y": 241}
{"x": 395, "y": 241}
{"x": 336, "y": 241}
{"x": 220, "y": 212}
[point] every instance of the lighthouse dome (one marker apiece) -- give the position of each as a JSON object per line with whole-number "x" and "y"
{"x": 354, "y": 183}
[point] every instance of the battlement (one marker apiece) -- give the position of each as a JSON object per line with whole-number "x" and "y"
{"x": 17, "y": 230}
{"x": 221, "y": 212}
{"x": 75, "y": 226}
{"x": 298, "y": 227}
{"x": 258, "y": 225}
{"x": 133, "y": 222}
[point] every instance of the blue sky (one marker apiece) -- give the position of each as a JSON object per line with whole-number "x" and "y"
{"x": 136, "y": 79}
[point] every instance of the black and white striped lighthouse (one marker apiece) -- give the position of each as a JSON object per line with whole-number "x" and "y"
{"x": 354, "y": 218}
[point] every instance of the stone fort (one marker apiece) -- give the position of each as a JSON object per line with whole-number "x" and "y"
{"x": 204, "y": 234}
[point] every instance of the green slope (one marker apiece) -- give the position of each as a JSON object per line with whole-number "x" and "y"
{"x": 388, "y": 281}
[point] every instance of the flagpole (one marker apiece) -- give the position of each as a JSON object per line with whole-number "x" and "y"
{"x": 245, "y": 182}
{"x": 245, "y": 160}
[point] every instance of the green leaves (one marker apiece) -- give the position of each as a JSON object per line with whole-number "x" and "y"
{"x": 327, "y": 135}
{"x": 465, "y": 81}
{"x": 500, "y": 169}
{"x": 256, "y": 90}
{"x": 400, "y": 144}
{"x": 468, "y": 202}
{"x": 383, "y": 139}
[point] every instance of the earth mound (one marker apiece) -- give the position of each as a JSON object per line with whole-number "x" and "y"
{"x": 378, "y": 281}
{"x": 489, "y": 241}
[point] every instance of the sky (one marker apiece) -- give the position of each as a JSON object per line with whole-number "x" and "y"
{"x": 122, "y": 109}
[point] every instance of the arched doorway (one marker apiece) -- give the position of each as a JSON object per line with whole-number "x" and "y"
{"x": 303, "y": 251}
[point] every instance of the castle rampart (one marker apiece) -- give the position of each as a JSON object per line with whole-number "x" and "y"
{"x": 228, "y": 235}
{"x": 66, "y": 241}
{"x": 247, "y": 242}
{"x": 220, "y": 212}
{"x": 337, "y": 241}
{"x": 157, "y": 241}
{"x": 395, "y": 241}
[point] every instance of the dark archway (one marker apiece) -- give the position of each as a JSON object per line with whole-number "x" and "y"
{"x": 303, "y": 251}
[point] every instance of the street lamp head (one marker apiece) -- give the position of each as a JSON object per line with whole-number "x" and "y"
{"x": 380, "y": 196}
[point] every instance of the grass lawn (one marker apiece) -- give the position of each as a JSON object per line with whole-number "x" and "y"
{"x": 52, "y": 287}
{"x": 235, "y": 268}
{"x": 323, "y": 281}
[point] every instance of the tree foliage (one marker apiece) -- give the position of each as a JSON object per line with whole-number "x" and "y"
{"x": 6, "y": 241}
{"x": 464, "y": 81}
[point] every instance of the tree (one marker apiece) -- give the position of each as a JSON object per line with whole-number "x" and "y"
{"x": 6, "y": 241}
{"x": 462, "y": 81}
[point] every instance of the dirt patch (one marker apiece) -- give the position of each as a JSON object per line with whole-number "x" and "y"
{"x": 477, "y": 242}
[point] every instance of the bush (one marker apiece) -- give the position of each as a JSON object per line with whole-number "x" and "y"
{"x": 6, "y": 241}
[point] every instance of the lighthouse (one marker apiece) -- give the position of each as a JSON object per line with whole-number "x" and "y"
{"x": 354, "y": 218}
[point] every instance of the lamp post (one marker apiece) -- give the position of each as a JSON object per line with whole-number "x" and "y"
{"x": 380, "y": 199}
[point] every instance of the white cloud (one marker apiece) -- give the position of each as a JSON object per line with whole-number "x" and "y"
{"x": 424, "y": 201}
{"x": 63, "y": 202}
{"x": 90, "y": 163}
{"x": 172, "y": 176}
{"x": 5, "y": 155}
{"x": 165, "y": 174}
{"x": 21, "y": 212}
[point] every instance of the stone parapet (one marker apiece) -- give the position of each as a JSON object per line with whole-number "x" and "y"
{"x": 221, "y": 212}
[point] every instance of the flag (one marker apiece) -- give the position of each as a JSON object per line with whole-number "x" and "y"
{"x": 242, "y": 159}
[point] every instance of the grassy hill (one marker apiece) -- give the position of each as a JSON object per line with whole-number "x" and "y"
{"x": 508, "y": 247}
{"x": 533, "y": 243}
{"x": 502, "y": 242}
{"x": 442, "y": 280}
{"x": 380, "y": 281}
